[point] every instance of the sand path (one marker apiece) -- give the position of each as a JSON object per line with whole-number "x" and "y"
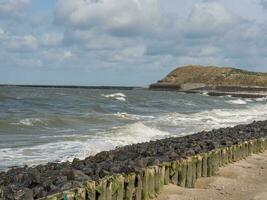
{"x": 243, "y": 180}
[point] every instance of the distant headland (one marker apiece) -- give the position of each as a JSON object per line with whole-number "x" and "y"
{"x": 215, "y": 81}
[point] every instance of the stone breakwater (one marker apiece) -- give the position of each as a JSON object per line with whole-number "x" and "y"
{"x": 137, "y": 171}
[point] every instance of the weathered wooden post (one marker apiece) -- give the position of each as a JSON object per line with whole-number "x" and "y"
{"x": 216, "y": 161}
{"x": 250, "y": 148}
{"x": 189, "y": 173}
{"x": 101, "y": 189}
{"x": 194, "y": 170}
{"x": 199, "y": 166}
{"x": 151, "y": 182}
{"x": 90, "y": 190}
{"x": 161, "y": 176}
{"x": 157, "y": 179}
{"x": 129, "y": 181}
{"x": 109, "y": 189}
{"x": 80, "y": 194}
{"x": 224, "y": 158}
{"x": 139, "y": 187}
{"x": 246, "y": 148}
{"x": 210, "y": 162}
{"x": 167, "y": 173}
{"x": 145, "y": 182}
{"x": 174, "y": 173}
{"x": 234, "y": 153}
{"x": 182, "y": 173}
{"x": 204, "y": 165}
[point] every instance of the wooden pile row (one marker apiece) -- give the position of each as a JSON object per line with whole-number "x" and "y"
{"x": 149, "y": 182}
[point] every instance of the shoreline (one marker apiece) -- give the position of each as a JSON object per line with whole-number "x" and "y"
{"x": 44, "y": 180}
{"x": 219, "y": 93}
{"x": 235, "y": 91}
{"x": 246, "y": 180}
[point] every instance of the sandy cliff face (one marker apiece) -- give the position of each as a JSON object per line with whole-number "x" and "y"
{"x": 215, "y": 76}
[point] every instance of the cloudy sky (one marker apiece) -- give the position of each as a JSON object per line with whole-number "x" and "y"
{"x": 126, "y": 42}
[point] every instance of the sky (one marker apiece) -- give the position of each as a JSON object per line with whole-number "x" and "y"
{"x": 126, "y": 42}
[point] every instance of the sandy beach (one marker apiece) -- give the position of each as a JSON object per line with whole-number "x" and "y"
{"x": 243, "y": 180}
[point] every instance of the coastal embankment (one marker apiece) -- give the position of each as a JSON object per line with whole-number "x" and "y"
{"x": 137, "y": 171}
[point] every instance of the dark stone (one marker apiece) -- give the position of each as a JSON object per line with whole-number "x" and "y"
{"x": 142, "y": 162}
{"x": 75, "y": 175}
{"x": 173, "y": 155}
{"x": 28, "y": 195}
{"x": 103, "y": 173}
{"x": 39, "y": 192}
{"x": 66, "y": 186}
{"x": 226, "y": 143}
{"x": 60, "y": 179}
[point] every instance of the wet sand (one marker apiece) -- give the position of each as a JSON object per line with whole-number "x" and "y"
{"x": 243, "y": 180}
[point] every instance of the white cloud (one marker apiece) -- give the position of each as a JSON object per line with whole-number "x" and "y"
{"x": 10, "y": 7}
{"x": 20, "y": 43}
{"x": 119, "y": 17}
{"x": 209, "y": 51}
{"x": 51, "y": 39}
{"x": 2, "y": 32}
{"x": 209, "y": 14}
{"x": 104, "y": 29}
{"x": 67, "y": 54}
{"x": 135, "y": 35}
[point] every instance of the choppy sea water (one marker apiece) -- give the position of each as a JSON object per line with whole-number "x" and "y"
{"x": 39, "y": 125}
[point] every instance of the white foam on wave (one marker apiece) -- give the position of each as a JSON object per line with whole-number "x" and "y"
{"x": 68, "y": 146}
{"x": 118, "y": 96}
{"x": 211, "y": 119}
{"x": 205, "y": 93}
{"x": 135, "y": 133}
{"x": 30, "y": 122}
{"x": 54, "y": 151}
{"x": 80, "y": 146}
{"x": 237, "y": 102}
{"x": 125, "y": 115}
{"x": 248, "y": 100}
{"x": 262, "y": 99}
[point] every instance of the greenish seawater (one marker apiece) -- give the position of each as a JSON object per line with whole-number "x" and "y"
{"x": 38, "y": 125}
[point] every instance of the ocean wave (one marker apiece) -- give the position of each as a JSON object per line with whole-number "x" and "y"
{"x": 117, "y": 96}
{"x": 248, "y": 100}
{"x": 80, "y": 146}
{"x": 125, "y": 115}
{"x": 55, "y": 151}
{"x": 237, "y": 102}
{"x": 215, "y": 118}
{"x": 135, "y": 133}
{"x": 8, "y": 97}
{"x": 205, "y": 93}
{"x": 30, "y": 122}
{"x": 262, "y": 99}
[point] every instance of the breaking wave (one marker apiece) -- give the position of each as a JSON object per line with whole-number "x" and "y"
{"x": 39, "y": 125}
{"x": 125, "y": 115}
{"x": 81, "y": 146}
{"x": 262, "y": 99}
{"x": 30, "y": 122}
{"x": 237, "y": 101}
{"x": 211, "y": 119}
{"x": 116, "y": 96}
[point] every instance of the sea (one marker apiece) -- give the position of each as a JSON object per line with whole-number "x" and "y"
{"x": 40, "y": 125}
